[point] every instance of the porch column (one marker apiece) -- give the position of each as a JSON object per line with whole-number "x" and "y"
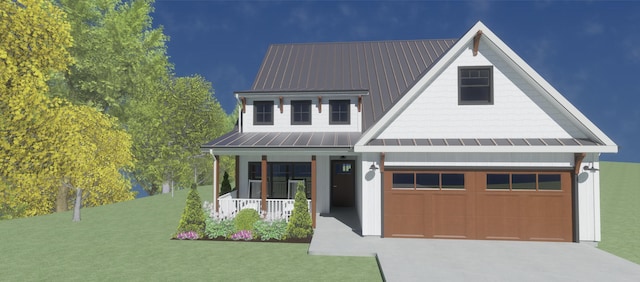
{"x": 263, "y": 194}
{"x": 237, "y": 176}
{"x": 216, "y": 180}
{"x": 313, "y": 191}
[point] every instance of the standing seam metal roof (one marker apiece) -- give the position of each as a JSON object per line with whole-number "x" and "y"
{"x": 387, "y": 69}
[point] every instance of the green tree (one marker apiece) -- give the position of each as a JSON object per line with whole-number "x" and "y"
{"x": 193, "y": 218}
{"x": 168, "y": 129}
{"x": 49, "y": 147}
{"x": 225, "y": 187}
{"x": 300, "y": 223}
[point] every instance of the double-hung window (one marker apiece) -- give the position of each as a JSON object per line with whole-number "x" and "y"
{"x": 475, "y": 85}
{"x": 263, "y": 112}
{"x": 301, "y": 112}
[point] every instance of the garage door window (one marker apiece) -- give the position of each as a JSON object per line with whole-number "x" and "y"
{"x": 431, "y": 181}
{"x": 523, "y": 181}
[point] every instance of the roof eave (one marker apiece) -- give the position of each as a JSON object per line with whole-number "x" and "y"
{"x": 486, "y": 149}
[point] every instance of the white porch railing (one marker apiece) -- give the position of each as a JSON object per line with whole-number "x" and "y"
{"x": 276, "y": 208}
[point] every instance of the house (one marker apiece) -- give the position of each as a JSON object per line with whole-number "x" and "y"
{"x": 423, "y": 138}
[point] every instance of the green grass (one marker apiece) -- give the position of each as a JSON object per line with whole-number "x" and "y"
{"x": 620, "y": 209}
{"x": 130, "y": 241}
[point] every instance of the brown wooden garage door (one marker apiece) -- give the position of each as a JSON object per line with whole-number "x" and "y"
{"x": 498, "y": 205}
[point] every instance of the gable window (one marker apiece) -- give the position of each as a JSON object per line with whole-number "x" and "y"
{"x": 300, "y": 112}
{"x": 339, "y": 112}
{"x": 263, "y": 112}
{"x": 475, "y": 86}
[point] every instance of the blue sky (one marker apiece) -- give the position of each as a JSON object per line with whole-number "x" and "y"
{"x": 589, "y": 51}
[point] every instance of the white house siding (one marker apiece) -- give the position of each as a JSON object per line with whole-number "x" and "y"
{"x": 589, "y": 199}
{"x": 319, "y": 120}
{"x": 323, "y": 176}
{"x": 371, "y": 200}
{"x": 518, "y": 111}
{"x": 524, "y": 160}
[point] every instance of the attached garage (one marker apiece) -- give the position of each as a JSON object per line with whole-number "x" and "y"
{"x": 483, "y": 204}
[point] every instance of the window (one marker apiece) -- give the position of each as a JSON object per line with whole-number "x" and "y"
{"x": 279, "y": 177}
{"x": 524, "y": 181}
{"x": 339, "y": 111}
{"x": 427, "y": 180}
{"x": 475, "y": 86}
{"x": 263, "y": 112}
{"x": 300, "y": 112}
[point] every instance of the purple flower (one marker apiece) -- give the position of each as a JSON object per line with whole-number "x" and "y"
{"x": 242, "y": 235}
{"x": 189, "y": 235}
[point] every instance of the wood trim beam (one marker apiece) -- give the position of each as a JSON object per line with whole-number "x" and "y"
{"x": 381, "y": 162}
{"x": 476, "y": 42}
{"x": 244, "y": 104}
{"x": 313, "y": 190}
{"x": 360, "y": 103}
{"x": 263, "y": 182}
{"x": 319, "y": 104}
{"x": 281, "y": 104}
{"x": 237, "y": 175}
{"x": 578, "y": 162}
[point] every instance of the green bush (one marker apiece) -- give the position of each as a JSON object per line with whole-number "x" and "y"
{"x": 300, "y": 225}
{"x": 245, "y": 219}
{"x": 219, "y": 228}
{"x": 193, "y": 218}
{"x": 266, "y": 230}
{"x": 225, "y": 186}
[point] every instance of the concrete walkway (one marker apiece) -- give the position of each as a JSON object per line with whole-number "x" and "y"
{"x": 468, "y": 260}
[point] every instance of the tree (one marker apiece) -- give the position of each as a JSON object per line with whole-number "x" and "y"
{"x": 193, "y": 218}
{"x": 48, "y": 146}
{"x": 225, "y": 187}
{"x": 168, "y": 129}
{"x": 300, "y": 224}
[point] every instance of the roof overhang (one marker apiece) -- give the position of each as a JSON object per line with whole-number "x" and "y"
{"x": 277, "y": 151}
{"x": 301, "y": 93}
{"x": 487, "y": 149}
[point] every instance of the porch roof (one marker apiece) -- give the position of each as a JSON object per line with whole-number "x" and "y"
{"x": 284, "y": 140}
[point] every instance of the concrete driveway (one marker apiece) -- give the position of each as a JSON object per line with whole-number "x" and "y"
{"x": 470, "y": 260}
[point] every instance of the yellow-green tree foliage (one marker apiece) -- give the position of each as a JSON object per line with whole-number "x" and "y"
{"x": 49, "y": 146}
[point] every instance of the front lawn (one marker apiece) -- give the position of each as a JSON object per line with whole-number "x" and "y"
{"x": 130, "y": 241}
{"x": 620, "y": 209}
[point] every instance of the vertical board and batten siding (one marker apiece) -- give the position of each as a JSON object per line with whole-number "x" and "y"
{"x": 370, "y": 211}
{"x": 589, "y": 199}
{"x": 519, "y": 110}
{"x": 319, "y": 120}
{"x": 323, "y": 176}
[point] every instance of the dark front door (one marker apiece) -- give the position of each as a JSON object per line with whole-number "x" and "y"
{"x": 343, "y": 183}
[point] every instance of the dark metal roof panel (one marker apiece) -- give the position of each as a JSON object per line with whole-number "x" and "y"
{"x": 285, "y": 140}
{"x": 484, "y": 142}
{"x": 387, "y": 69}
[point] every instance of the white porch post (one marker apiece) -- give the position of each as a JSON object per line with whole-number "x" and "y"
{"x": 215, "y": 180}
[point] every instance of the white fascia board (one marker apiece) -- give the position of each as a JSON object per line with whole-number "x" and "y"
{"x": 420, "y": 86}
{"x": 302, "y": 94}
{"x": 537, "y": 79}
{"x": 487, "y": 149}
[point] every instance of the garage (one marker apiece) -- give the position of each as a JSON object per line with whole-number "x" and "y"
{"x": 489, "y": 204}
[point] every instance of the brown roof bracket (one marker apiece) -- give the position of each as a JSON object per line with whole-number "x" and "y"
{"x": 476, "y": 42}
{"x": 319, "y": 104}
{"x": 281, "y": 104}
{"x": 578, "y": 162}
{"x": 244, "y": 104}
{"x": 359, "y": 103}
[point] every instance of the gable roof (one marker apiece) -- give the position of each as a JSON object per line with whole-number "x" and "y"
{"x": 386, "y": 69}
{"x": 598, "y": 141}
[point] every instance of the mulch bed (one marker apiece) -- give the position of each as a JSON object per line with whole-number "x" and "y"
{"x": 290, "y": 240}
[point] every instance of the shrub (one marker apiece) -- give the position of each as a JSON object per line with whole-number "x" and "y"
{"x": 193, "y": 216}
{"x": 189, "y": 235}
{"x": 242, "y": 235}
{"x": 266, "y": 230}
{"x": 246, "y": 218}
{"x": 219, "y": 228}
{"x": 300, "y": 225}
{"x": 225, "y": 186}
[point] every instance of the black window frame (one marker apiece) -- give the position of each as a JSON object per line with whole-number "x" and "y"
{"x": 347, "y": 112}
{"x": 300, "y": 112}
{"x": 465, "y": 88}
{"x": 259, "y": 108}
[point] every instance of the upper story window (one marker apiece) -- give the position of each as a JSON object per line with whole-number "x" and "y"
{"x": 300, "y": 112}
{"x": 475, "y": 86}
{"x": 339, "y": 112}
{"x": 263, "y": 112}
